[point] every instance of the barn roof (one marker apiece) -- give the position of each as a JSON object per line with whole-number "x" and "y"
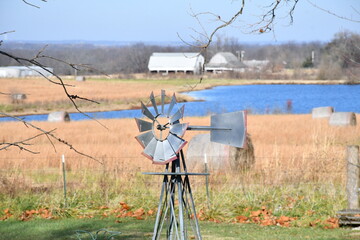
{"x": 187, "y": 61}
{"x": 225, "y": 60}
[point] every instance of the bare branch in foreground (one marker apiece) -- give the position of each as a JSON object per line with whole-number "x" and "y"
{"x": 22, "y": 145}
{"x": 33, "y": 5}
{"x": 34, "y": 61}
{"x": 3, "y": 33}
{"x": 51, "y": 135}
{"x": 334, "y": 14}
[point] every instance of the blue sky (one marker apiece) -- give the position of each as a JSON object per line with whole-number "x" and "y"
{"x": 163, "y": 20}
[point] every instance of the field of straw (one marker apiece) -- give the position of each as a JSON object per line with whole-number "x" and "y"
{"x": 43, "y": 96}
{"x": 299, "y": 169}
{"x": 288, "y": 148}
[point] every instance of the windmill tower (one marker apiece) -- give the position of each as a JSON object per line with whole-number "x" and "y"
{"x": 162, "y": 139}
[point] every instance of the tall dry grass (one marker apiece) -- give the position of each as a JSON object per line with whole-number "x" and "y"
{"x": 288, "y": 148}
{"x": 112, "y": 94}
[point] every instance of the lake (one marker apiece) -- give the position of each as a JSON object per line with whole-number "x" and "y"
{"x": 258, "y": 99}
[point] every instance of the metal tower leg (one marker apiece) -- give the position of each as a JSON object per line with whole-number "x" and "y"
{"x": 176, "y": 212}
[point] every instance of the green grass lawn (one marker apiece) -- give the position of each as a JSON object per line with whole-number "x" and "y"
{"x": 41, "y": 229}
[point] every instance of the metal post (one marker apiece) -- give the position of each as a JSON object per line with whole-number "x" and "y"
{"x": 353, "y": 173}
{"x": 207, "y": 180}
{"x": 64, "y": 179}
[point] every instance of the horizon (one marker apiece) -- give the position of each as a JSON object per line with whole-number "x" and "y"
{"x": 161, "y": 21}
{"x": 148, "y": 43}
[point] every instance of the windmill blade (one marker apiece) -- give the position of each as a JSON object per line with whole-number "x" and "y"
{"x": 159, "y": 155}
{"x": 145, "y": 138}
{"x": 149, "y": 150}
{"x": 169, "y": 152}
{"x": 172, "y": 104}
{"x": 176, "y": 143}
{"x": 143, "y": 125}
{"x": 152, "y": 99}
{"x": 179, "y": 129}
{"x": 178, "y": 115}
{"x": 162, "y": 101}
{"x": 146, "y": 112}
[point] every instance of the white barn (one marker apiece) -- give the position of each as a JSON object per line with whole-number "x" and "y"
{"x": 224, "y": 61}
{"x": 188, "y": 62}
{"x": 22, "y": 71}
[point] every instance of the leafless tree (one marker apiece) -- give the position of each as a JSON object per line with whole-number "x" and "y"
{"x": 35, "y": 61}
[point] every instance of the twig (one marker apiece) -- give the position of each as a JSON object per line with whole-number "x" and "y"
{"x": 32, "y": 5}
{"x": 71, "y": 97}
{"x": 20, "y": 144}
{"x": 334, "y": 14}
{"x": 50, "y": 135}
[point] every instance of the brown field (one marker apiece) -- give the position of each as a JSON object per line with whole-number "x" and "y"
{"x": 288, "y": 148}
{"x": 113, "y": 94}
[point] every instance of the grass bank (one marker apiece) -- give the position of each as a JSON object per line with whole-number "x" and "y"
{"x": 142, "y": 229}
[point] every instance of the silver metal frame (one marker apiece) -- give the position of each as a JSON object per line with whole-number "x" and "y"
{"x": 174, "y": 221}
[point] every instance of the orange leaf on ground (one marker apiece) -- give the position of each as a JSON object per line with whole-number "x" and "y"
{"x": 255, "y": 213}
{"x": 268, "y": 222}
{"x": 331, "y": 223}
{"x": 256, "y": 219}
{"x": 139, "y": 212}
{"x": 283, "y": 219}
{"x": 241, "y": 219}
{"x": 124, "y": 206}
{"x": 215, "y": 220}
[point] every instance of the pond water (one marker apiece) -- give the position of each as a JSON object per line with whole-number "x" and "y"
{"x": 258, "y": 99}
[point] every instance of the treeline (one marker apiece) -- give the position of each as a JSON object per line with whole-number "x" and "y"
{"x": 335, "y": 59}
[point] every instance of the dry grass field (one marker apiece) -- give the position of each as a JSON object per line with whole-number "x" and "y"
{"x": 288, "y": 148}
{"x": 299, "y": 169}
{"x": 113, "y": 94}
{"x": 44, "y": 97}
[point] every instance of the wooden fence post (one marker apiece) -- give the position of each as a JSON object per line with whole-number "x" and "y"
{"x": 353, "y": 174}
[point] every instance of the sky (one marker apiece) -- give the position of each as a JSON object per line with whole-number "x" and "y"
{"x": 171, "y": 20}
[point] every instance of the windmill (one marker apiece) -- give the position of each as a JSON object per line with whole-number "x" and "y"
{"x": 162, "y": 139}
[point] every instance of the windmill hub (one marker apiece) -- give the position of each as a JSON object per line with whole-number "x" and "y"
{"x": 160, "y": 128}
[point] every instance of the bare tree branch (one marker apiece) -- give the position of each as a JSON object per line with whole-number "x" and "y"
{"x": 22, "y": 145}
{"x": 3, "y": 33}
{"x": 50, "y": 135}
{"x": 33, "y": 5}
{"x": 223, "y": 25}
{"x": 334, "y": 14}
{"x": 34, "y": 61}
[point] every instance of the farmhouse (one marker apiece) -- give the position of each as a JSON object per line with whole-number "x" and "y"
{"x": 22, "y": 71}
{"x": 188, "y": 62}
{"x": 224, "y": 61}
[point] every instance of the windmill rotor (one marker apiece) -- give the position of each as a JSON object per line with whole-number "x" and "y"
{"x": 161, "y": 137}
{"x": 161, "y": 133}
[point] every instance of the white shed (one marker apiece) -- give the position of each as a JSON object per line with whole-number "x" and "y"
{"x": 188, "y": 62}
{"x": 22, "y": 71}
{"x": 224, "y": 61}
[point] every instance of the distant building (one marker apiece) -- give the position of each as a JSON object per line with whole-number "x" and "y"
{"x": 224, "y": 61}
{"x": 22, "y": 71}
{"x": 176, "y": 62}
{"x": 256, "y": 65}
